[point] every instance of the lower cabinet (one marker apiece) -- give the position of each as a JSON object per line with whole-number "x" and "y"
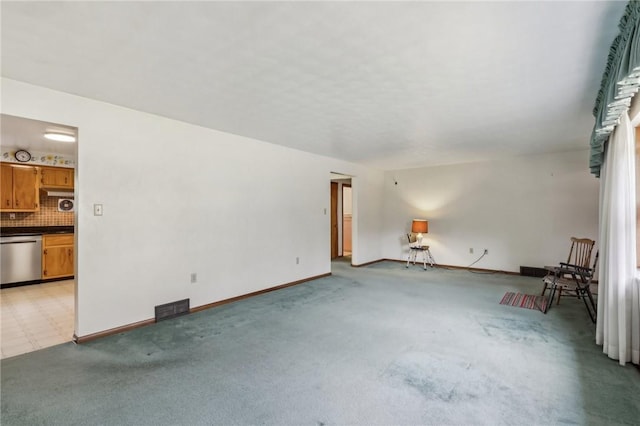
{"x": 57, "y": 256}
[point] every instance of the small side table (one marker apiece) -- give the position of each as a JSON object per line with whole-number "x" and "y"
{"x": 426, "y": 255}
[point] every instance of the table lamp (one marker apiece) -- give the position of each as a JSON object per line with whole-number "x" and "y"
{"x": 419, "y": 226}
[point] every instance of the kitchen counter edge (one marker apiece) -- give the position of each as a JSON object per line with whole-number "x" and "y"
{"x": 18, "y": 230}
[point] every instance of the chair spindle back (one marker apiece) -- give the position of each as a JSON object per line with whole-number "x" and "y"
{"x": 580, "y": 253}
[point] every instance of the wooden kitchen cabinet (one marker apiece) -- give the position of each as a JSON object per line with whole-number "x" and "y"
{"x": 56, "y": 177}
{"x": 57, "y": 256}
{"x": 6, "y": 187}
{"x": 19, "y": 188}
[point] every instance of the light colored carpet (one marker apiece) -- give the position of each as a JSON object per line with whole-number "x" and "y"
{"x": 375, "y": 345}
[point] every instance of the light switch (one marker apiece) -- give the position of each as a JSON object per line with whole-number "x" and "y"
{"x": 97, "y": 209}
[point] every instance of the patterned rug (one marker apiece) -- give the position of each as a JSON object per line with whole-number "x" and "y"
{"x": 528, "y": 301}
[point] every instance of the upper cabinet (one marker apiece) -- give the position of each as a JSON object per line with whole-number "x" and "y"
{"x": 56, "y": 177}
{"x": 6, "y": 187}
{"x": 19, "y": 188}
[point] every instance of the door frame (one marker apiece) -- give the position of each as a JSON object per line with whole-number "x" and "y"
{"x": 347, "y": 185}
{"x": 335, "y": 189}
{"x": 341, "y": 180}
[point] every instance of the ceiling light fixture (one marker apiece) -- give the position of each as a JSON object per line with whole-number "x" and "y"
{"x": 60, "y": 137}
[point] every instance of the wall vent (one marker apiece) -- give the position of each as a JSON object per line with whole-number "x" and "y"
{"x": 172, "y": 310}
{"x": 529, "y": 271}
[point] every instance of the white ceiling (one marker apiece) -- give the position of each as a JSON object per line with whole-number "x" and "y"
{"x": 387, "y": 84}
{"x": 23, "y": 133}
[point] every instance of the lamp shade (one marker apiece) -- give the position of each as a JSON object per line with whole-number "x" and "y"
{"x": 420, "y": 226}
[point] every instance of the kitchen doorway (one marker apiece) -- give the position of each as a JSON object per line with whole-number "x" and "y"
{"x": 341, "y": 218}
{"x": 38, "y": 296}
{"x": 347, "y": 219}
{"x": 335, "y": 247}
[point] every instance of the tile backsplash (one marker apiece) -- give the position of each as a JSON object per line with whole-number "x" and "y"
{"x": 47, "y": 216}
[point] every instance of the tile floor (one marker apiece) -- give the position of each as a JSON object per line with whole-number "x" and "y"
{"x": 36, "y": 316}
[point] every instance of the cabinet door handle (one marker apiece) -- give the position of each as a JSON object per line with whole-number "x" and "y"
{"x": 45, "y": 252}
{"x": 44, "y": 272}
{"x": 17, "y": 203}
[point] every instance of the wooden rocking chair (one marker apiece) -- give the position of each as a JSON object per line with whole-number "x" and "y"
{"x": 579, "y": 256}
{"x": 575, "y": 275}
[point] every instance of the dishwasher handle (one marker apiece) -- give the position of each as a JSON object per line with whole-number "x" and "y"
{"x": 19, "y": 242}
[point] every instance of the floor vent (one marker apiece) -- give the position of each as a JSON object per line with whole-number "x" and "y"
{"x": 529, "y": 271}
{"x": 172, "y": 310}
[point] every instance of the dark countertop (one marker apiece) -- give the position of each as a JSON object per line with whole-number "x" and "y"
{"x": 10, "y": 230}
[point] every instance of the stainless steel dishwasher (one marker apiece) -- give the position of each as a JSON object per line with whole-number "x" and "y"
{"x": 20, "y": 258}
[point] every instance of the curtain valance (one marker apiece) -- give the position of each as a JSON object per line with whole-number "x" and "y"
{"x": 620, "y": 82}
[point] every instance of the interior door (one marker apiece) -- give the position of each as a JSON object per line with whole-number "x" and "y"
{"x": 334, "y": 220}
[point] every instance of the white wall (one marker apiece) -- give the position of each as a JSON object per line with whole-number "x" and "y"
{"x": 179, "y": 198}
{"x": 523, "y": 210}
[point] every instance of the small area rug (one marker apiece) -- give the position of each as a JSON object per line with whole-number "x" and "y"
{"x": 528, "y": 301}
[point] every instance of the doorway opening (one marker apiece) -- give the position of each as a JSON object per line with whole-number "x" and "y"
{"x": 342, "y": 246}
{"x": 347, "y": 220}
{"x": 39, "y": 287}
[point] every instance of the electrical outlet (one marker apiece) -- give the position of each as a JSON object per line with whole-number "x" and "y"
{"x": 470, "y": 250}
{"x": 194, "y": 278}
{"x": 486, "y": 251}
{"x": 297, "y": 260}
{"x": 12, "y": 216}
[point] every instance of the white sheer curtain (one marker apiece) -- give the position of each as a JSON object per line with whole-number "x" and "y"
{"x": 618, "y": 325}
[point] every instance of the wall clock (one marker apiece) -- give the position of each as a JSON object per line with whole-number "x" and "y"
{"x": 22, "y": 155}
